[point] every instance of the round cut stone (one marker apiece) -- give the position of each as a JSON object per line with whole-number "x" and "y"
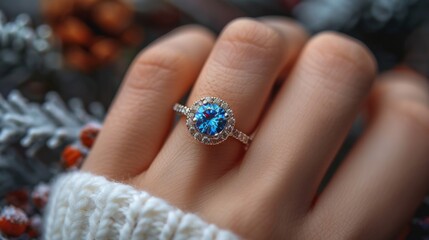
{"x": 210, "y": 119}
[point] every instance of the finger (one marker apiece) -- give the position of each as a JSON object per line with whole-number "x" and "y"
{"x": 308, "y": 120}
{"x": 141, "y": 115}
{"x": 386, "y": 175}
{"x": 241, "y": 70}
{"x": 293, "y": 47}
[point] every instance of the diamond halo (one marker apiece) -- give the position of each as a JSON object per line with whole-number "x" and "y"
{"x": 210, "y": 120}
{"x": 209, "y": 103}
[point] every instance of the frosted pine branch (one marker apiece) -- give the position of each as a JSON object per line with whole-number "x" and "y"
{"x": 52, "y": 123}
{"x": 32, "y": 136}
{"x": 319, "y": 15}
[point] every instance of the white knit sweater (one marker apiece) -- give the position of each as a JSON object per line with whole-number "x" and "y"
{"x": 84, "y": 206}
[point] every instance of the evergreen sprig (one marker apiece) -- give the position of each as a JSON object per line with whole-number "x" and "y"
{"x": 32, "y": 136}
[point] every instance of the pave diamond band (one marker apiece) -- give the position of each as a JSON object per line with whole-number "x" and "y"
{"x": 211, "y": 121}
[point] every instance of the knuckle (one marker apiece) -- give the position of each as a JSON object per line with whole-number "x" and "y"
{"x": 247, "y": 50}
{"x": 399, "y": 85}
{"x": 256, "y": 218}
{"x": 343, "y": 50}
{"x": 334, "y": 56}
{"x": 250, "y": 223}
{"x": 153, "y": 69}
{"x": 412, "y": 115}
{"x": 252, "y": 34}
{"x": 199, "y": 32}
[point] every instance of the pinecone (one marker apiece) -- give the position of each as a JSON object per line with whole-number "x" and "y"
{"x": 92, "y": 31}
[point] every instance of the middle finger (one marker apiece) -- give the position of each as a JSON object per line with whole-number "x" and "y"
{"x": 309, "y": 119}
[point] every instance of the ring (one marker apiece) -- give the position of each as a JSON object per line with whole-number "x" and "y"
{"x": 211, "y": 121}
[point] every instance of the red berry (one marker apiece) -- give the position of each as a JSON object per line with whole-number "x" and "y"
{"x": 35, "y": 226}
{"x": 18, "y": 198}
{"x": 40, "y": 195}
{"x": 72, "y": 156}
{"x": 13, "y": 221}
{"x": 88, "y": 135}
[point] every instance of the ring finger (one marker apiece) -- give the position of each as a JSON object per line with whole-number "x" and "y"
{"x": 241, "y": 70}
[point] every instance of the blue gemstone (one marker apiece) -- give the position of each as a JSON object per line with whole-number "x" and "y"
{"x": 210, "y": 119}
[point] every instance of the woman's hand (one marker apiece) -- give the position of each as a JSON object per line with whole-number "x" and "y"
{"x": 269, "y": 191}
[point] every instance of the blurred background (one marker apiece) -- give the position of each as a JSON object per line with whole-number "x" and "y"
{"x": 62, "y": 61}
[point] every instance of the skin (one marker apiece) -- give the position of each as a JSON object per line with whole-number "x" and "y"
{"x": 268, "y": 191}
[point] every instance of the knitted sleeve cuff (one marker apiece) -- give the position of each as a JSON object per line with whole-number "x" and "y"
{"x": 84, "y": 206}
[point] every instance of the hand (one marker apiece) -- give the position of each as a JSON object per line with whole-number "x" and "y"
{"x": 269, "y": 191}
